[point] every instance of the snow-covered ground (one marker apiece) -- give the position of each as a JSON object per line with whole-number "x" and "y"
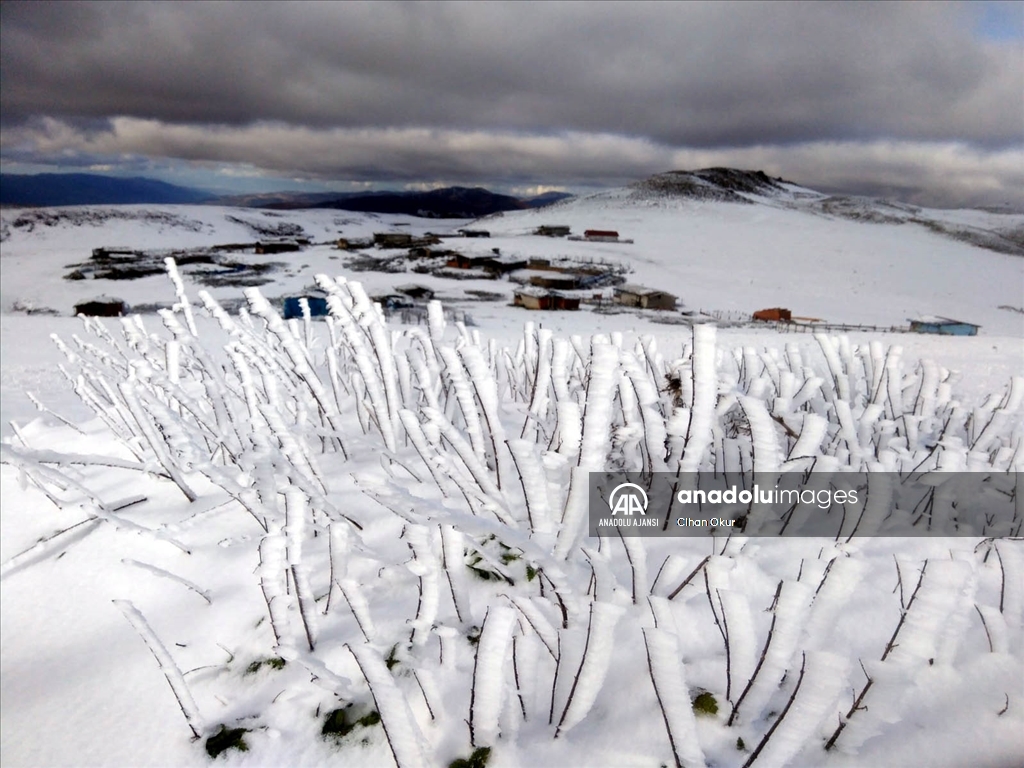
{"x": 80, "y": 687}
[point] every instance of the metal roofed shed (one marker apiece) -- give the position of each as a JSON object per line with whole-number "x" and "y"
{"x": 632, "y": 295}
{"x": 774, "y": 315}
{"x": 943, "y": 326}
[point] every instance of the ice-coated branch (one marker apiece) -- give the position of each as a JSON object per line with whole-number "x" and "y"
{"x": 172, "y": 576}
{"x": 488, "y": 687}
{"x": 296, "y": 512}
{"x": 589, "y": 677}
{"x": 670, "y": 688}
{"x": 400, "y": 727}
{"x": 702, "y": 405}
{"x": 179, "y": 291}
{"x": 171, "y": 671}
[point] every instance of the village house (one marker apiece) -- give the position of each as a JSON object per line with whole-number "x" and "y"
{"x": 629, "y": 295}
{"x": 353, "y": 243}
{"x": 474, "y": 233}
{"x": 552, "y": 230}
{"x": 601, "y": 235}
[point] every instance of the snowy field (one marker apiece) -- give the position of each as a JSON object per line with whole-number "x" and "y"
{"x": 287, "y": 528}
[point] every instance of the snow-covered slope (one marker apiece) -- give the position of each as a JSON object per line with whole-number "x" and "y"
{"x": 266, "y": 611}
{"x": 38, "y": 245}
{"x": 713, "y": 255}
{"x": 730, "y": 256}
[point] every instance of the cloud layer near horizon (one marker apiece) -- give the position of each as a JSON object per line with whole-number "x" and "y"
{"x": 904, "y": 98}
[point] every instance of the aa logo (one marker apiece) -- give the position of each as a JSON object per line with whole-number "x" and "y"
{"x": 628, "y": 498}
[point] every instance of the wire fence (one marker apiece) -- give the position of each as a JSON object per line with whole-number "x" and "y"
{"x": 734, "y": 317}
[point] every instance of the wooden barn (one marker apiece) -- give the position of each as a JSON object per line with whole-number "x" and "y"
{"x": 560, "y": 301}
{"x": 277, "y": 246}
{"x": 774, "y": 315}
{"x": 419, "y": 292}
{"x": 474, "y": 233}
{"x": 495, "y": 264}
{"x": 102, "y": 306}
{"x": 559, "y": 281}
{"x": 465, "y": 261}
{"x": 392, "y": 239}
{"x": 601, "y": 235}
{"x": 943, "y": 326}
{"x": 101, "y": 254}
{"x": 423, "y": 252}
{"x": 630, "y": 295}
{"x": 537, "y": 298}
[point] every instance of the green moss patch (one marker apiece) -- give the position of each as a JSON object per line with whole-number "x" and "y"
{"x": 705, "y": 705}
{"x": 273, "y": 662}
{"x": 225, "y": 739}
{"x": 340, "y": 723}
{"x": 478, "y": 759}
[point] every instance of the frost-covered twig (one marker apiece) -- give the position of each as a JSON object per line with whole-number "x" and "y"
{"x": 59, "y": 540}
{"x": 486, "y": 693}
{"x": 597, "y": 653}
{"x": 778, "y": 721}
{"x": 167, "y": 665}
{"x": 859, "y": 700}
{"x": 404, "y": 737}
{"x": 666, "y": 671}
{"x": 689, "y": 578}
{"x": 172, "y": 576}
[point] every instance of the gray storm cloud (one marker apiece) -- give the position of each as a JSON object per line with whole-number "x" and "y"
{"x": 545, "y": 92}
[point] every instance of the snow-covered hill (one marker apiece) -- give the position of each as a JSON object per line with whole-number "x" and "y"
{"x": 842, "y": 261}
{"x": 381, "y": 529}
{"x": 791, "y": 248}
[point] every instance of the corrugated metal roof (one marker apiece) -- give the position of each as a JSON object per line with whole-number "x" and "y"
{"x": 639, "y": 290}
{"x": 939, "y": 320}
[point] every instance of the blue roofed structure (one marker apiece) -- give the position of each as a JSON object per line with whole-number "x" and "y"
{"x": 944, "y": 326}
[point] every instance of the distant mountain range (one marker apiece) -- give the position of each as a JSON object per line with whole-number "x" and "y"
{"x": 58, "y": 189}
{"x": 54, "y": 189}
{"x": 445, "y": 203}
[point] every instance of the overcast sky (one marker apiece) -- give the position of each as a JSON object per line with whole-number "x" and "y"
{"x": 920, "y": 101}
